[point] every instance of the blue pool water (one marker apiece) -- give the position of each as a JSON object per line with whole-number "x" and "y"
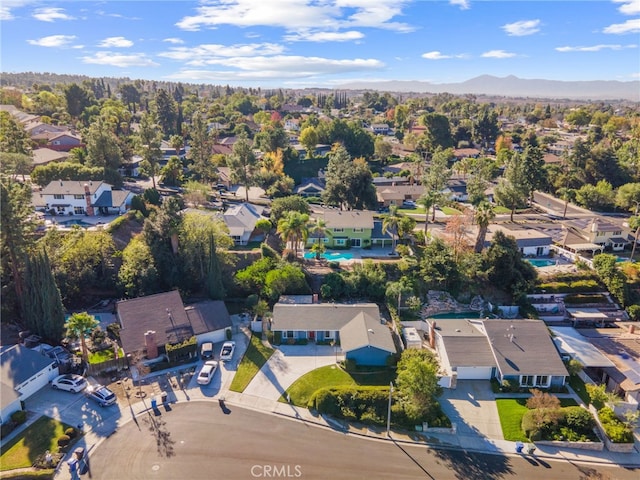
{"x": 541, "y": 262}
{"x": 331, "y": 256}
{"x": 69, "y": 223}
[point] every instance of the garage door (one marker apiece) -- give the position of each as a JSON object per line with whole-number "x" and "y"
{"x": 215, "y": 336}
{"x": 474, "y": 373}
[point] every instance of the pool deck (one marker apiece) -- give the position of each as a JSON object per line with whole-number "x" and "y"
{"x": 92, "y": 222}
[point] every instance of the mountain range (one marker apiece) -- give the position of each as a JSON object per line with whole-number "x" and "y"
{"x": 512, "y": 86}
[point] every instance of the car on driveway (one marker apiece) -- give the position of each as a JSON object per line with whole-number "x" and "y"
{"x": 70, "y": 382}
{"x": 226, "y": 353}
{"x": 206, "y": 350}
{"x": 409, "y": 204}
{"x": 101, "y": 395}
{"x": 207, "y": 372}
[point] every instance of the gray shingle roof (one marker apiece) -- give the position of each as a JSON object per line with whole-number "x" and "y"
{"x": 70, "y": 187}
{"x": 466, "y": 345}
{"x": 523, "y": 347}
{"x": 19, "y": 363}
{"x": 364, "y": 331}
{"x": 208, "y": 316}
{"x": 348, "y": 219}
{"x": 319, "y": 316}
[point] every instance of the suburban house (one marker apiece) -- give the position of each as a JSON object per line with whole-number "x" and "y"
{"x": 22, "y": 373}
{"x": 345, "y": 229}
{"x": 310, "y": 187}
{"x": 532, "y": 243}
{"x": 169, "y": 151}
{"x": 292, "y": 124}
{"x": 461, "y": 153}
{"x": 396, "y": 194}
{"x": 386, "y": 181}
{"x": 356, "y": 327}
{"x": 600, "y": 231}
{"x": 44, "y": 156}
{"x": 64, "y": 142}
{"x": 379, "y": 128}
{"x": 456, "y": 190}
{"x": 524, "y": 353}
{"x": 241, "y": 219}
{"x": 38, "y": 128}
{"x": 519, "y": 351}
{"x": 71, "y": 197}
{"x": 151, "y": 322}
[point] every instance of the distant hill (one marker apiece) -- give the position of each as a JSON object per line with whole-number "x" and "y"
{"x": 512, "y": 86}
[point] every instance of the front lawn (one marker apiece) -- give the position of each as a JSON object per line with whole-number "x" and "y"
{"x": 33, "y": 442}
{"x": 450, "y": 211}
{"x": 104, "y": 355}
{"x": 511, "y": 411}
{"x": 500, "y": 210}
{"x": 332, "y": 376}
{"x": 578, "y": 386}
{"x": 254, "y": 358}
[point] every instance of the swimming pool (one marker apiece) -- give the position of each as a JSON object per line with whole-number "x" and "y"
{"x": 541, "y": 262}
{"x": 331, "y": 256}
{"x": 456, "y": 315}
{"x": 69, "y": 223}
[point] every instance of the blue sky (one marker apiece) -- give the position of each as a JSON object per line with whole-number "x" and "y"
{"x": 306, "y": 43}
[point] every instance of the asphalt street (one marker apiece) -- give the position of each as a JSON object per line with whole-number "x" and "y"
{"x": 201, "y": 440}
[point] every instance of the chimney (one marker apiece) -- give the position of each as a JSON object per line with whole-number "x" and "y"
{"x": 432, "y": 335}
{"x": 151, "y": 344}
{"x": 87, "y": 199}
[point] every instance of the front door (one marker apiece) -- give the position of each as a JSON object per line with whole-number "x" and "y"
{"x": 312, "y": 335}
{"x": 355, "y": 242}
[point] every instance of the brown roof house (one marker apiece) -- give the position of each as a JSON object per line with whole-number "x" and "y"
{"x": 150, "y": 323}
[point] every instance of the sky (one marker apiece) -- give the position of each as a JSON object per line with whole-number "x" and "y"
{"x": 323, "y": 43}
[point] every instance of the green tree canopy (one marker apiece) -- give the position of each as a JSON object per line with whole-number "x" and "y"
{"x": 417, "y": 383}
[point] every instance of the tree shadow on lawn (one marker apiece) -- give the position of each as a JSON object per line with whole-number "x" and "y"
{"x": 475, "y": 466}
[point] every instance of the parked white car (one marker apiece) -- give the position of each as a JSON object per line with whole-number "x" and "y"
{"x": 226, "y": 353}
{"x": 208, "y": 371}
{"x": 70, "y": 382}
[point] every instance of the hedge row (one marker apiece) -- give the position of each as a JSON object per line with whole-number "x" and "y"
{"x": 574, "y": 424}
{"x": 617, "y": 431}
{"x": 582, "y": 299}
{"x": 577, "y": 286}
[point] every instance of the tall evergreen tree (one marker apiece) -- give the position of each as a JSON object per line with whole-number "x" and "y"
{"x": 42, "y": 308}
{"x": 215, "y": 287}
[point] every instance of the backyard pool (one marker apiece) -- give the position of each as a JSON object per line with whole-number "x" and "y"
{"x": 70, "y": 223}
{"x": 331, "y": 256}
{"x": 541, "y": 262}
{"x": 456, "y": 315}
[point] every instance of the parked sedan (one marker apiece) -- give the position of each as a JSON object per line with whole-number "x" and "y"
{"x": 227, "y": 351}
{"x": 208, "y": 371}
{"x": 70, "y": 382}
{"x": 206, "y": 350}
{"x": 101, "y": 395}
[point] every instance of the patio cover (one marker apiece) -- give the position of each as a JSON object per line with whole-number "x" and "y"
{"x": 579, "y": 247}
{"x": 586, "y": 314}
{"x": 568, "y": 340}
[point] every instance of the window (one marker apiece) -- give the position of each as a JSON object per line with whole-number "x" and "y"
{"x": 78, "y": 210}
{"x": 288, "y": 334}
{"x": 78, "y": 197}
{"x": 328, "y": 334}
{"x": 58, "y": 196}
{"x": 325, "y": 240}
{"x": 542, "y": 380}
{"x": 527, "y": 381}
{"x": 355, "y": 242}
{"x": 338, "y": 230}
{"x": 617, "y": 233}
{"x": 340, "y": 241}
{"x": 358, "y": 230}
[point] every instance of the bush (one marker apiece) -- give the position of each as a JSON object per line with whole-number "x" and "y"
{"x": 510, "y": 386}
{"x": 581, "y": 299}
{"x": 334, "y": 265}
{"x": 71, "y": 432}
{"x": 19, "y": 417}
{"x": 277, "y": 338}
{"x": 228, "y": 333}
{"x": 302, "y": 341}
{"x": 350, "y": 365}
{"x": 634, "y": 312}
{"x": 7, "y": 428}
{"x": 268, "y": 252}
{"x": 617, "y": 431}
{"x": 63, "y": 440}
{"x": 578, "y": 419}
{"x": 597, "y": 394}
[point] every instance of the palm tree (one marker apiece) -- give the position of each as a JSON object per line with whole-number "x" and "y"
{"x": 390, "y": 223}
{"x": 318, "y": 231}
{"x": 483, "y": 216}
{"x": 79, "y": 326}
{"x": 428, "y": 201}
{"x": 568, "y": 195}
{"x": 634, "y": 224}
{"x": 293, "y": 229}
{"x": 318, "y": 248}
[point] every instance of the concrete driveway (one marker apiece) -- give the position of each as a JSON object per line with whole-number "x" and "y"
{"x": 286, "y": 365}
{"x": 473, "y": 408}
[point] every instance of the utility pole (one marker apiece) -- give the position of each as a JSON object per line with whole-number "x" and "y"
{"x": 389, "y": 410}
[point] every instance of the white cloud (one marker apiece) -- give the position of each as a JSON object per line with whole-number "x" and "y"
{"x": 324, "y": 36}
{"x": 277, "y": 67}
{"x": 120, "y": 60}
{"x": 53, "y": 41}
{"x": 498, "y": 54}
{"x": 522, "y": 28}
{"x": 595, "y": 48}
{"x": 211, "y": 53}
{"x": 8, "y": 5}
{"x": 630, "y": 26}
{"x": 174, "y": 40}
{"x": 435, "y": 55}
{"x": 115, "y": 42}
{"x": 463, "y": 4}
{"x": 51, "y": 14}
{"x": 635, "y": 75}
{"x": 629, "y": 7}
{"x": 296, "y": 15}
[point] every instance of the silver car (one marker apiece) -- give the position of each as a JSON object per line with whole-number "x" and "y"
{"x": 101, "y": 395}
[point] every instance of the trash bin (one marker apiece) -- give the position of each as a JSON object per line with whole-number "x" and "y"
{"x": 154, "y": 403}
{"x": 164, "y": 398}
{"x": 530, "y": 449}
{"x": 519, "y": 447}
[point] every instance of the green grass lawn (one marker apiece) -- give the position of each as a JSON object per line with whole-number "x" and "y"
{"x": 500, "y": 210}
{"x": 578, "y": 386}
{"x": 254, "y": 358}
{"x": 511, "y": 411}
{"x": 39, "y": 437}
{"x": 332, "y": 376}
{"x": 104, "y": 355}
{"x": 407, "y": 211}
{"x": 450, "y": 211}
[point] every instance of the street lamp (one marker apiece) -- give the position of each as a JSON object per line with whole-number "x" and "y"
{"x": 389, "y": 410}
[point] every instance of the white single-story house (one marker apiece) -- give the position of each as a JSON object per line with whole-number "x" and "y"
{"x": 241, "y": 219}
{"x": 531, "y": 242}
{"x": 22, "y": 373}
{"x": 165, "y": 315}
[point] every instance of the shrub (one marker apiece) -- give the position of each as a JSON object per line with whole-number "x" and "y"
{"x": 350, "y": 365}
{"x": 7, "y": 428}
{"x": 581, "y": 299}
{"x": 19, "y": 417}
{"x": 70, "y": 432}
{"x": 334, "y": 265}
{"x": 510, "y": 386}
{"x": 597, "y": 394}
{"x": 268, "y": 252}
{"x": 228, "y": 333}
{"x": 578, "y": 419}
{"x": 617, "y": 431}
{"x": 634, "y": 312}
{"x": 302, "y": 341}
{"x": 277, "y": 337}
{"x": 63, "y": 440}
